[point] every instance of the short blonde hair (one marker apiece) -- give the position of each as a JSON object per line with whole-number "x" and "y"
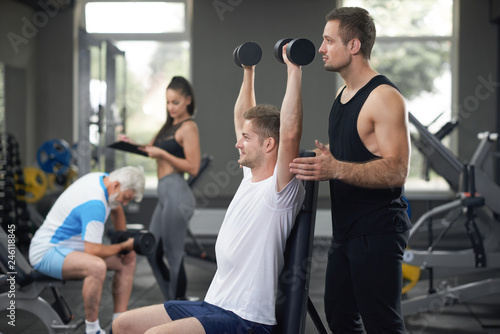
{"x": 266, "y": 120}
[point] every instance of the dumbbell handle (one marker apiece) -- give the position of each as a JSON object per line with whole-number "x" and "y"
{"x": 127, "y": 245}
{"x": 143, "y": 242}
{"x": 124, "y": 240}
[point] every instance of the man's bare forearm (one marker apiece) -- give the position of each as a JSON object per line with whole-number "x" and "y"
{"x": 118, "y": 218}
{"x": 104, "y": 251}
{"x": 246, "y": 98}
{"x": 380, "y": 173}
{"x": 290, "y": 125}
{"x": 292, "y": 111}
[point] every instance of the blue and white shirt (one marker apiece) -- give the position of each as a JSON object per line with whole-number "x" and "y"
{"x": 77, "y": 216}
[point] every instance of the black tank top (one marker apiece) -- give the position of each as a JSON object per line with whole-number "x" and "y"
{"x": 359, "y": 211}
{"x": 168, "y": 143}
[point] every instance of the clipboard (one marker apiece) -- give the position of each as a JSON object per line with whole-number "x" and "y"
{"x": 128, "y": 147}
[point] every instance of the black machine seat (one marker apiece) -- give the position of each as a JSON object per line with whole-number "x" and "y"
{"x": 56, "y": 316}
{"x": 17, "y": 263}
{"x": 205, "y": 162}
{"x": 293, "y": 285}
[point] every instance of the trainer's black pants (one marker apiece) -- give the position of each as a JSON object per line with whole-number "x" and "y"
{"x": 363, "y": 284}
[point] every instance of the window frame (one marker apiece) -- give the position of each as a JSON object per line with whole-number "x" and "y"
{"x": 164, "y": 37}
{"x": 161, "y": 37}
{"x": 452, "y": 138}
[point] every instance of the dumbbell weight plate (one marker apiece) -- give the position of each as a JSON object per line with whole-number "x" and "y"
{"x": 301, "y": 51}
{"x": 278, "y": 48}
{"x": 144, "y": 243}
{"x": 235, "y": 56}
{"x": 119, "y": 236}
{"x": 248, "y": 54}
{"x": 35, "y": 184}
{"x": 54, "y": 156}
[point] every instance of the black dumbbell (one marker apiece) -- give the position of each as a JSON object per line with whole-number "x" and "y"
{"x": 144, "y": 241}
{"x": 300, "y": 51}
{"x": 248, "y": 54}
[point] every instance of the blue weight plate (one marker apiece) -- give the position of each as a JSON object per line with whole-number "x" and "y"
{"x": 54, "y": 156}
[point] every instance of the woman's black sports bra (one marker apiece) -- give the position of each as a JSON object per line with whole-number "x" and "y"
{"x": 168, "y": 143}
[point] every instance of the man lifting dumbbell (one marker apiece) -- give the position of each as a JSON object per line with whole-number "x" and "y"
{"x": 250, "y": 244}
{"x": 68, "y": 245}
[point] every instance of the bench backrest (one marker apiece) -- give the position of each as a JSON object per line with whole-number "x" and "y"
{"x": 205, "y": 162}
{"x": 293, "y": 285}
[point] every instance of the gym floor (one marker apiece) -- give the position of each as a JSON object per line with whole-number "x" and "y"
{"x": 477, "y": 317}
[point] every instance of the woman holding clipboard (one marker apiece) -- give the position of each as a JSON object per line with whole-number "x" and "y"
{"x": 176, "y": 149}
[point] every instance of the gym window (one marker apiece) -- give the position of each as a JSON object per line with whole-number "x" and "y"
{"x": 135, "y": 17}
{"x": 155, "y": 39}
{"x": 414, "y": 49}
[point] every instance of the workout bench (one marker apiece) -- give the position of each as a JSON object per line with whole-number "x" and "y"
{"x": 293, "y": 286}
{"x": 29, "y": 285}
{"x": 206, "y": 160}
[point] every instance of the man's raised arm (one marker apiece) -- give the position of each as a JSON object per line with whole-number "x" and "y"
{"x": 290, "y": 123}
{"x": 246, "y": 99}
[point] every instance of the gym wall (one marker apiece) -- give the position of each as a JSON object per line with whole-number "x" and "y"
{"x": 39, "y": 55}
{"x": 476, "y": 102}
{"x": 217, "y": 31}
{"x": 20, "y": 66}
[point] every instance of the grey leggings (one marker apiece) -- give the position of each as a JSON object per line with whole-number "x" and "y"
{"x": 175, "y": 208}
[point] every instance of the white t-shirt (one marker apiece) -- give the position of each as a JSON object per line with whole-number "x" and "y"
{"x": 250, "y": 247}
{"x": 78, "y": 215}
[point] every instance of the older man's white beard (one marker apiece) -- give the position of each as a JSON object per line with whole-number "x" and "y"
{"x": 112, "y": 202}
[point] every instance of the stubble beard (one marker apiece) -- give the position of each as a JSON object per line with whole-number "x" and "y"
{"x": 250, "y": 162}
{"x": 337, "y": 68}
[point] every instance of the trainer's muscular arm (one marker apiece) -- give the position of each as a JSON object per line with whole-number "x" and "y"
{"x": 245, "y": 100}
{"x": 383, "y": 127}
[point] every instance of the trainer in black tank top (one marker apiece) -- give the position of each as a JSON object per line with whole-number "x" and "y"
{"x": 168, "y": 143}
{"x": 359, "y": 211}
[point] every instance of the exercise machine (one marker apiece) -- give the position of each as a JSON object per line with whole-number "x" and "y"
{"x": 24, "y": 286}
{"x": 200, "y": 252}
{"x": 476, "y": 206}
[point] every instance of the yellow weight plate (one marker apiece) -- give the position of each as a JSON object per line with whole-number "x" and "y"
{"x": 411, "y": 275}
{"x": 35, "y": 184}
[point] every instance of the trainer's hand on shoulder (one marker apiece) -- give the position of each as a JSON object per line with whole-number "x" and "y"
{"x": 319, "y": 168}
